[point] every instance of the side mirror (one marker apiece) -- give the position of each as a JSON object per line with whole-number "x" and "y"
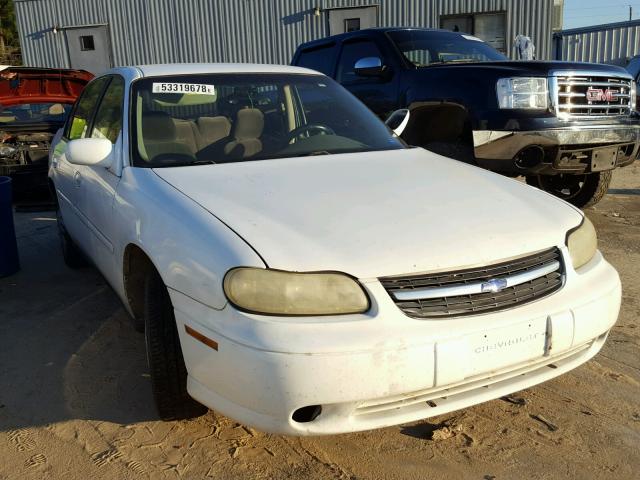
{"x": 398, "y": 121}
{"x": 90, "y": 151}
{"x": 369, "y": 67}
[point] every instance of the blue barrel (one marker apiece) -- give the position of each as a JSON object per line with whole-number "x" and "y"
{"x": 9, "y": 263}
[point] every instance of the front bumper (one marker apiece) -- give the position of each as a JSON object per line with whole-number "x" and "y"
{"x": 384, "y": 368}
{"x": 565, "y": 150}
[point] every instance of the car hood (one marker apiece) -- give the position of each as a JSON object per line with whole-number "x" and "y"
{"x": 20, "y": 85}
{"x": 378, "y": 213}
{"x": 525, "y": 68}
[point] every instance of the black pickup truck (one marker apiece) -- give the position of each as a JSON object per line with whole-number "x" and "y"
{"x": 565, "y": 126}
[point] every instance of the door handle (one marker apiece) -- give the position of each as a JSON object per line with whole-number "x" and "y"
{"x": 77, "y": 178}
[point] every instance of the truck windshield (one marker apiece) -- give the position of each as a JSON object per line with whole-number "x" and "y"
{"x": 424, "y": 48}
{"x": 198, "y": 119}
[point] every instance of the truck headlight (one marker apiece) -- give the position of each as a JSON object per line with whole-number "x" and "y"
{"x": 633, "y": 96}
{"x": 523, "y": 92}
{"x": 582, "y": 243}
{"x": 275, "y": 292}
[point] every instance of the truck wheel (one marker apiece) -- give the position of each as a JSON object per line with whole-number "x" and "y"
{"x": 71, "y": 254}
{"x": 580, "y": 190}
{"x": 164, "y": 355}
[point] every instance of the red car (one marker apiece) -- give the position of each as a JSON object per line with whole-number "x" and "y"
{"x": 34, "y": 103}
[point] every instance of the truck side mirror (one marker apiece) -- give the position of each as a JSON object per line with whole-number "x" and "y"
{"x": 398, "y": 121}
{"x": 369, "y": 67}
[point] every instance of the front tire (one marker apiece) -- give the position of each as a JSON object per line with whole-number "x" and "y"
{"x": 580, "y": 190}
{"x": 164, "y": 355}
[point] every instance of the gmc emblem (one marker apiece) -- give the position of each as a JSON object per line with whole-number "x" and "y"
{"x": 600, "y": 95}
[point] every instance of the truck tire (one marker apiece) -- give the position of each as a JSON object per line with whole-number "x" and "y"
{"x": 580, "y": 190}
{"x": 71, "y": 254}
{"x": 164, "y": 355}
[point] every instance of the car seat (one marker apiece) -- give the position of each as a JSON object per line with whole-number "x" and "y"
{"x": 247, "y": 130}
{"x": 161, "y": 139}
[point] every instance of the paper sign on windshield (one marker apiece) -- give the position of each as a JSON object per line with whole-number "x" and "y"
{"x": 170, "y": 87}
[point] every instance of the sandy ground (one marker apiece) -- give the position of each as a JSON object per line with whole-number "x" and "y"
{"x": 75, "y": 398}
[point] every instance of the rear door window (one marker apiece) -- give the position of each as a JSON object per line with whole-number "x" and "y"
{"x": 108, "y": 120}
{"x": 351, "y": 53}
{"x": 85, "y": 108}
{"x": 321, "y": 59}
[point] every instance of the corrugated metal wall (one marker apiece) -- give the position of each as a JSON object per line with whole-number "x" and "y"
{"x": 612, "y": 43}
{"x": 157, "y": 31}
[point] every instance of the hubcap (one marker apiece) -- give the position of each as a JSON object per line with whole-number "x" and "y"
{"x": 563, "y": 186}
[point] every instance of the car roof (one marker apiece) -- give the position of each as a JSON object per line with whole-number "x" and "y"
{"x": 199, "y": 68}
{"x": 374, "y": 30}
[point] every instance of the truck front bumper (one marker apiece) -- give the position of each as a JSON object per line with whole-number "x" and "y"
{"x": 575, "y": 149}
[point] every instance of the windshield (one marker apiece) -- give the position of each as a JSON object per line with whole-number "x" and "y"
{"x": 196, "y": 119}
{"x": 424, "y": 48}
{"x": 29, "y": 113}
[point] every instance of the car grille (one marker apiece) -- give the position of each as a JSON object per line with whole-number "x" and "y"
{"x": 592, "y": 96}
{"x": 477, "y": 290}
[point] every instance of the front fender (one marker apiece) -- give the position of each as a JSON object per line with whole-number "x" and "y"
{"x": 190, "y": 247}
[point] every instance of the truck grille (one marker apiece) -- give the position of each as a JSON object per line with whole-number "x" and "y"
{"x": 477, "y": 290}
{"x": 592, "y": 96}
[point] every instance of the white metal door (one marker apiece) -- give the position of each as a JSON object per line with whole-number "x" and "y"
{"x": 89, "y": 48}
{"x": 343, "y": 20}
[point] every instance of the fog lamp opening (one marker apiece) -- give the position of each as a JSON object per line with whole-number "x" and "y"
{"x": 307, "y": 414}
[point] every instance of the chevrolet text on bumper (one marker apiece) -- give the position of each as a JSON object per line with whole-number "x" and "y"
{"x": 296, "y": 267}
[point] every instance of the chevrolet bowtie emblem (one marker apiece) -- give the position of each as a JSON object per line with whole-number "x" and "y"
{"x": 494, "y": 285}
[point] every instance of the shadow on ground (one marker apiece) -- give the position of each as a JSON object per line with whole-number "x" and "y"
{"x": 67, "y": 347}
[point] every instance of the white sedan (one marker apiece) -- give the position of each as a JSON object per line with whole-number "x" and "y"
{"x": 296, "y": 267}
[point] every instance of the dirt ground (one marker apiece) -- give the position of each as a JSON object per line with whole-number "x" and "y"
{"x": 75, "y": 396}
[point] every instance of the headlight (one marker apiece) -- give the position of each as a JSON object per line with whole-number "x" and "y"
{"x": 523, "y": 92}
{"x": 6, "y": 151}
{"x": 582, "y": 243}
{"x": 274, "y": 292}
{"x": 633, "y": 96}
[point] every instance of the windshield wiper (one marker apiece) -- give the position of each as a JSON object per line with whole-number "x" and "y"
{"x": 457, "y": 60}
{"x": 201, "y": 162}
{"x": 317, "y": 152}
{"x": 184, "y": 164}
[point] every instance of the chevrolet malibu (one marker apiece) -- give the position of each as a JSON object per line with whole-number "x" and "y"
{"x": 298, "y": 268}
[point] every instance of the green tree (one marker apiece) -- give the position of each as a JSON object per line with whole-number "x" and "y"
{"x": 9, "y": 41}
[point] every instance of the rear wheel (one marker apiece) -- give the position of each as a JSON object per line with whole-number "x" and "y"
{"x": 71, "y": 254}
{"x": 580, "y": 190}
{"x": 164, "y": 355}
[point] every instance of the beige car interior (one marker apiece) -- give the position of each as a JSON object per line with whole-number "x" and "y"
{"x": 219, "y": 138}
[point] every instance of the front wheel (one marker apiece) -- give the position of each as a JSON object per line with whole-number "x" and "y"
{"x": 164, "y": 355}
{"x": 580, "y": 190}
